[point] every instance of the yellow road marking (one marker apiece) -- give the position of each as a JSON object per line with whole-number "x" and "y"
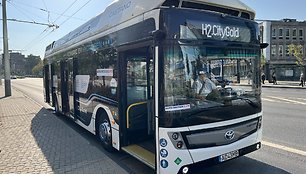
{"x": 285, "y": 148}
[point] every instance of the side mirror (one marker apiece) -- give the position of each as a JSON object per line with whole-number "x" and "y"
{"x": 264, "y": 45}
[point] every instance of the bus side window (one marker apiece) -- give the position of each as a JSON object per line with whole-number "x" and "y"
{"x": 136, "y": 80}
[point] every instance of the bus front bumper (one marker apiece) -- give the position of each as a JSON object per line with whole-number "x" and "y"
{"x": 192, "y": 168}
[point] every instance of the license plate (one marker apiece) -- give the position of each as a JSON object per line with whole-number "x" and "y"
{"x": 228, "y": 156}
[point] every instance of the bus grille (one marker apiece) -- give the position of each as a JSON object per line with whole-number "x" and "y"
{"x": 218, "y": 136}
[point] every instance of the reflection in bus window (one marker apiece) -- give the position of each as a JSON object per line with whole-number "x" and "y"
{"x": 136, "y": 80}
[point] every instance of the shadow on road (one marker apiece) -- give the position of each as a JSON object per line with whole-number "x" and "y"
{"x": 67, "y": 151}
{"x": 2, "y": 97}
{"x": 242, "y": 165}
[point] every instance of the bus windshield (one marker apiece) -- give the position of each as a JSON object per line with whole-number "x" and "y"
{"x": 200, "y": 78}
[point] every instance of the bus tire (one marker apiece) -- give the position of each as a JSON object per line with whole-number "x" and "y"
{"x": 104, "y": 132}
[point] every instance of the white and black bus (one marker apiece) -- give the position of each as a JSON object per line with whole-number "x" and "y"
{"x": 130, "y": 75}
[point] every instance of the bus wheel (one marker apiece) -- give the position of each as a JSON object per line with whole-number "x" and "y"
{"x": 105, "y": 133}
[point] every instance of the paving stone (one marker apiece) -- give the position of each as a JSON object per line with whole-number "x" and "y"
{"x": 33, "y": 140}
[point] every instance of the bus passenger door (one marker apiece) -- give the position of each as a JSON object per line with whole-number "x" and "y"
{"x": 57, "y": 87}
{"x": 70, "y": 80}
{"x": 64, "y": 87}
{"x": 47, "y": 83}
{"x": 139, "y": 94}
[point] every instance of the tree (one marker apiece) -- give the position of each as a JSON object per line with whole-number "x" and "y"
{"x": 37, "y": 70}
{"x": 30, "y": 62}
{"x": 262, "y": 61}
{"x": 297, "y": 52}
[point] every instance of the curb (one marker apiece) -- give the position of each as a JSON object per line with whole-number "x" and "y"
{"x": 286, "y": 87}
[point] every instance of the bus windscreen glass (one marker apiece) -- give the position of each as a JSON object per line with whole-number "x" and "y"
{"x": 210, "y": 84}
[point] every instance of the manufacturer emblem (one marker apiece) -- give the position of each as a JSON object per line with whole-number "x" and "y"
{"x": 229, "y": 135}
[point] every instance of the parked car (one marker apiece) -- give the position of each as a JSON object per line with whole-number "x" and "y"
{"x": 223, "y": 81}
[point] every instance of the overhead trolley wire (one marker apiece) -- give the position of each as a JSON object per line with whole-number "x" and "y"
{"x": 26, "y": 12}
{"x": 75, "y": 12}
{"x": 44, "y": 10}
{"x": 37, "y": 39}
{"x": 47, "y": 10}
{"x": 45, "y": 5}
{"x": 70, "y": 17}
{"x": 23, "y": 13}
{"x": 24, "y": 4}
{"x": 33, "y": 43}
{"x": 66, "y": 10}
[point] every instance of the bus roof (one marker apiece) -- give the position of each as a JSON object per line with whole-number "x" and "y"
{"x": 122, "y": 10}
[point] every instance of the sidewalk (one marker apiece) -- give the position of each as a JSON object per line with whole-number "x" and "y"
{"x": 284, "y": 84}
{"x": 280, "y": 84}
{"x": 33, "y": 140}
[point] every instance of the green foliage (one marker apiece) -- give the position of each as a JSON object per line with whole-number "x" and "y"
{"x": 37, "y": 70}
{"x": 297, "y": 52}
{"x": 262, "y": 61}
{"x": 30, "y": 62}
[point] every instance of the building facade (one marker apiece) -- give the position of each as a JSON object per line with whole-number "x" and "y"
{"x": 20, "y": 65}
{"x": 17, "y": 61}
{"x": 279, "y": 35}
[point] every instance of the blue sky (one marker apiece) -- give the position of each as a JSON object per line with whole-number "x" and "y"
{"x": 278, "y": 9}
{"x": 32, "y": 39}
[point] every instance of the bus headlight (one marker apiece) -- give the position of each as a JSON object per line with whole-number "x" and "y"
{"x": 259, "y": 123}
{"x": 258, "y": 146}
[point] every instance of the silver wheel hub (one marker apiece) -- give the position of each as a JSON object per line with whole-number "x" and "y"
{"x": 104, "y": 131}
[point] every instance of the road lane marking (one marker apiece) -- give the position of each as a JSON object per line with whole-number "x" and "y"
{"x": 277, "y": 101}
{"x": 285, "y": 148}
{"x": 266, "y": 99}
{"x": 301, "y": 99}
{"x": 288, "y": 100}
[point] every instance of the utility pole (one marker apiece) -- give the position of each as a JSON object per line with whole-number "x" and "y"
{"x": 6, "y": 56}
{"x": 0, "y": 70}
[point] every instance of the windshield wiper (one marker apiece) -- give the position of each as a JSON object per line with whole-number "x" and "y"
{"x": 250, "y": 102}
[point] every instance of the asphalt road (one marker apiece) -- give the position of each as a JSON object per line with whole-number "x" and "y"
{"x": 284, "y": 135}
